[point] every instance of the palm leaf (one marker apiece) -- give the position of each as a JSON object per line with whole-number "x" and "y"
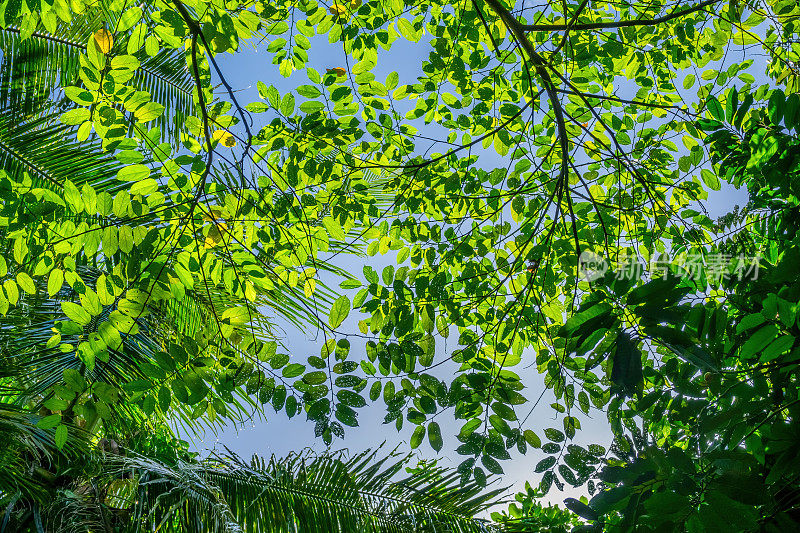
{"x": 304, "y": 492}
{"x": 36, "y": 67}
{"x": 27, "y": 451}
{"x": 46, "y": 150}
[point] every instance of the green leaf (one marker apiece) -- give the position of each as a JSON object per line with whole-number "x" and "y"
{"x": 26, "y": 283}
{"x": 582, "y": 317}
{"x": 351, "y": 398}
{"x": 407, "y": 30}
{"x": 311, "y": 106}
{"x": 392, "y": 80}
{"x": 49, "y": 422}
{"x": 308, "y": 91}
{"x": 435, "y": 436}
{"x": 133, "y": 173}
{"x": 710, "y": 179}
{"x": 315, "y": 378}
{"x": 287, "y": 105}
{"x": 180, "y": 391}
{"x": 777, "y": 347}
{"x": 278, "y": 398}
{"x": 339, "y": 311}
{"x": 731, "y": 104}
{"x": 417, "y": 436}
{"x": 545, "y": 464}
{"x": 80, "y": 96}
{"x": 12, "y": 292}
{"x": 279, "y": 360}
{"x": 626, "y": 371}
{"x": 346, "y": 415}
{"x": 319, "y": 409}
{"x": 257, "y": 107}
{"x": 144, "y": 187}
{"x": 758, "y": 340}
{"x": 581, "y": 509}
{"x": 196, "y": 385}
{"x": 666, "y": 503}
{"x": 334, "y": 229}
{"x": 554, "y": 434}
{"x": 124, "y": 62}
{"x": 75, "y": 116}
{"x": 130, "y": 16}
{"x": 388, "y": 274}
{"x": 491, "y": 464}
{"x": 776, "y": 105}
{"x": 370, "y": 274}
{"x": 164, "y": 399}
{"x": 136, "y": 39}
{"x": 290, "y": 406}
{"x": 55, "y": 281}
{"x": 293, "y": 370}
{"x": 148, "y": 112}
{"x": 76, "y": 313}
{"x": 61, "y": 435}
{"x": 532, "y": 439}
{"x": 715, "y": 108}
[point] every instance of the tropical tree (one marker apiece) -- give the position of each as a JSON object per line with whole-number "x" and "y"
{"x": 156, "y": 225}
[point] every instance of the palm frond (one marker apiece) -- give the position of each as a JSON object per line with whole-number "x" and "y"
{"x": 34, "y": 367}
{"x": 166, "y": 77}
{"x": 46, "y": 150}
{"x": 32, "y": 68}
{"x": 304, "y": 492}
{"x": 27, "y": 451}
{"x": 38, "y": 66}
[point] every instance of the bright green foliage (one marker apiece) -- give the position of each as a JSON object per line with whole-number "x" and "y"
{"x": 526, "y": 514}
{"x": 154, "y": 225}
{"x": 322, "y": 493}
{"x": 720, "y": 412}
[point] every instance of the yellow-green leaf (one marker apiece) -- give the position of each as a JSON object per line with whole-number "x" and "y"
{"x": 27, "y": 284}
{"x": 149, "y": 112}
{"x": 144, "y": 187}
{"x": 55, "y": 281}
{"x": 339, "y": 311}
{"x": 12, "y": 291}
{"x": 75, "y": 116}
{"x": 133, "y": 173}
{"x": 76, "y": 313}
{"x": 407, "y": 30}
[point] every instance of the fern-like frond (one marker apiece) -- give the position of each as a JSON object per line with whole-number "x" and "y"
{"x": 28, "y": 453}
{"x": 38, "y": 66}
{"x": 33, "y": 68}
{"x": 46, "y": 150}
{"x": 304, "y": 492}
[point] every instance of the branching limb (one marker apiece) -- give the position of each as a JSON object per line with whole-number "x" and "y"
{"x": 618, "y": 24}
{"x": 540, "y": 65}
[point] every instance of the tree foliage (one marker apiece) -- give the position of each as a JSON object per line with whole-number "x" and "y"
{"x": 158, "y": 231}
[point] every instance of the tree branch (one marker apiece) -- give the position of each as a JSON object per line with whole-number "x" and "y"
{"x": 540, "y": 65}
{"x": 617, "y": 24}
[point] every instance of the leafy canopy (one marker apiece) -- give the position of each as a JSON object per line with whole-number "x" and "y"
{"x": 158, "y": 229}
